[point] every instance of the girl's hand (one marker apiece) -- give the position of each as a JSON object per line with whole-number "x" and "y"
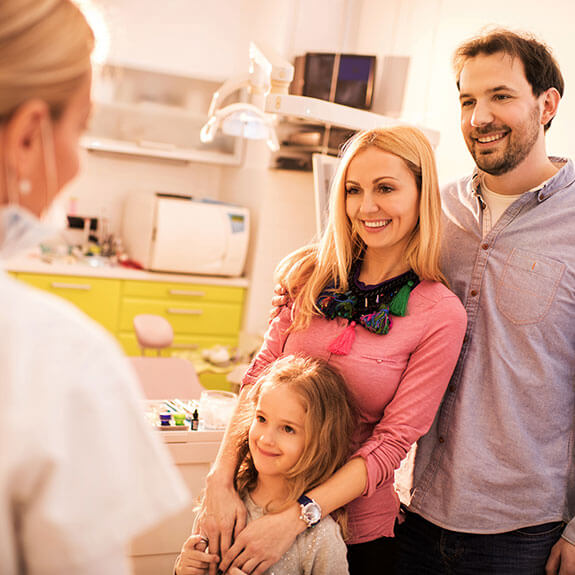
{"x": 221, "y": 518}
{"x": 193, "y": 559}
{"x": 263, "y": 542}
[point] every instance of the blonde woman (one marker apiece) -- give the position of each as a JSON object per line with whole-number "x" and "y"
{"x": 292, "y": 434}
{"x": 371, "y": 300}
{"x": 80, "y": 471}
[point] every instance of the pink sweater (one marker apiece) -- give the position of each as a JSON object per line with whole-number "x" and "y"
{"x": 397, "y": 380}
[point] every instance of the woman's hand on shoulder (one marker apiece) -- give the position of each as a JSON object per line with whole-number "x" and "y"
{"x": 221, "y": 518}
{"x": 263, "y": 542}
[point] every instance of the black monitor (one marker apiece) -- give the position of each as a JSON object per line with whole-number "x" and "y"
{"x": 343, "y": 78}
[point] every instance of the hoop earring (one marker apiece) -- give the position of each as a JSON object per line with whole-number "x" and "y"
{"x": 25, "y": 187}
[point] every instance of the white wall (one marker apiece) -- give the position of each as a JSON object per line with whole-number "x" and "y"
{"x": 429, "y": 31}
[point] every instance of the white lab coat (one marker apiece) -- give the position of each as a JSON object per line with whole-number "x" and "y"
{"x": 80, "y": 470}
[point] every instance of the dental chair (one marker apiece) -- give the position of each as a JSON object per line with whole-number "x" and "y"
{"x": 162, "y": 377}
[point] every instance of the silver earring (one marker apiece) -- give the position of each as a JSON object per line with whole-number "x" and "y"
{"x": 25, "y": 187}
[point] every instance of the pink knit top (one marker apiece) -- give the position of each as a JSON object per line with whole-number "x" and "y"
{"x": 397, "y": 380}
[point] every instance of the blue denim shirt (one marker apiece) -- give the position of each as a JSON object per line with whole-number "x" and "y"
{"x": 500, "y": 453}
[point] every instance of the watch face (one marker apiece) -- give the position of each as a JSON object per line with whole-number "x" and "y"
{"x": 311, "y": 513}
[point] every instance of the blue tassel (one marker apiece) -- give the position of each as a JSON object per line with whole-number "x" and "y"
{"x": 378, "y": 322}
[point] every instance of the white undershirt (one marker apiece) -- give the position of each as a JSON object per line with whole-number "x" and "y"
{"x": 496, "y": 205}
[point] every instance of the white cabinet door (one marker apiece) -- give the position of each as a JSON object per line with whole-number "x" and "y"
{"x": 199, "y": 38}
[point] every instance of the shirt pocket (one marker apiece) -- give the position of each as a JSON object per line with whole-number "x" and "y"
{"x": 380, "y": 376}
{"x": 528, "y": 286}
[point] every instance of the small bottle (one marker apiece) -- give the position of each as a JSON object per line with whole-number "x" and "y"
{"x": 195, "y": 421}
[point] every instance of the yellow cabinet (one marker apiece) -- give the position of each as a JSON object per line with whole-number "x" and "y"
{"x": 99, "y": 298}
{"x": 201, "y": 315}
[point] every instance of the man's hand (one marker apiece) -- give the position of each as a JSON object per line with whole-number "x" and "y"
{"x": 561, "y": 559}
{"x": 263, "y": 542}
{"x": 279, "y": 300}
{"x": 221, "y": 518}
{"x": 193, "y": 560}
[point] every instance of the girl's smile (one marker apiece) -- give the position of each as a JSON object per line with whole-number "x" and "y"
{"x": 277, "y": 433}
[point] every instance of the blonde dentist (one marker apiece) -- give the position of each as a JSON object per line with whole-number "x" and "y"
{"x": 80, "y": 472}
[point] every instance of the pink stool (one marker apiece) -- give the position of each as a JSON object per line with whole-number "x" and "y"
{"x": 153, "y": 332}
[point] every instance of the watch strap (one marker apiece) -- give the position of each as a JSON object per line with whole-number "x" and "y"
{"x": 304, "y": 500}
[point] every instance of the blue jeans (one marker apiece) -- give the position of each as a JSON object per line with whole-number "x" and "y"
{"x": 425, "y": 549}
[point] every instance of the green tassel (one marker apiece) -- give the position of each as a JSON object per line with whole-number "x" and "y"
{"x": 398, "y": 305}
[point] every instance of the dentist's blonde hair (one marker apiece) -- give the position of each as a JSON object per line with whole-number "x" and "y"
{"x": 45, "y": 49}
{"x": 307, "y": 271}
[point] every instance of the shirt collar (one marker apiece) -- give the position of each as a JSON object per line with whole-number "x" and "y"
{"x": 564, "y": 177}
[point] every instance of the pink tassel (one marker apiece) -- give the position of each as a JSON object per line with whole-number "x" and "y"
{"x": 343, "y": 342}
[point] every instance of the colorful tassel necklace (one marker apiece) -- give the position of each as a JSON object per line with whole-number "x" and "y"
{"x": 369, "y": 306}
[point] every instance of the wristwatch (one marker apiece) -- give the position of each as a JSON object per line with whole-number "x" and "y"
{"x": 310, "y": 511}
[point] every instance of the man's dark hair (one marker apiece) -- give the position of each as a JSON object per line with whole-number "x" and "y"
{"x": 541, "y": 69}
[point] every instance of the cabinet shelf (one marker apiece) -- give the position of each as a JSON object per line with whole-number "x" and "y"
{"x": 148, "y": 114}
{"x": 159, "y": 150}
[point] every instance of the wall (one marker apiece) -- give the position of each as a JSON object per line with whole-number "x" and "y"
{"x": 429, "y": 30}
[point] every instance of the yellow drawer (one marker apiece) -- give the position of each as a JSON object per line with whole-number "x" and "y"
{"x": 191, "y": 342}
{"x": 98, "y": 298}
{"x": 186, "y": 317}
{"x": 180, "y": 291}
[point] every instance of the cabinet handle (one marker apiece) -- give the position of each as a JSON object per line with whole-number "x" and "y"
{"x": 185, "y": 346}
{"x": 179, "y": 311}
{"x": 61, "y": 285}
{"x": 187, "y": 292}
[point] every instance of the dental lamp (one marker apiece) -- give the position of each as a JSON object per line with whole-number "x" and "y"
{"x": 267, "y": 84}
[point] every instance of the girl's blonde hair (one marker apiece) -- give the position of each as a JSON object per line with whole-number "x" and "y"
{"x": 45, "y": 48}
{"x": 330, "y": 419}
{"x": 307, "y": 271}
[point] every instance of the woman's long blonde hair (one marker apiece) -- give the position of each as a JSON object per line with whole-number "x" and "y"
{"x": 330, "y": 419}
{"x": 45, "y": 49}
{"x": 307, "y": 271}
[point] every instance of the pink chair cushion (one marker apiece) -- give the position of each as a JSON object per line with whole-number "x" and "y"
{"x": 153, "y": 331}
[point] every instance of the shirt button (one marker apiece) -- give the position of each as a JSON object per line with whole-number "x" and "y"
{"x": 484, "y": 246}
{"x": 473, "y": 292}
{"x": 441, "y": 440}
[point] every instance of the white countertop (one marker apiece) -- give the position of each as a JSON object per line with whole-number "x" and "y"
{"x": 33, "y": 264}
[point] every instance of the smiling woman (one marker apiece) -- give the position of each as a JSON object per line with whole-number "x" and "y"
{"x": 370, "y": 300}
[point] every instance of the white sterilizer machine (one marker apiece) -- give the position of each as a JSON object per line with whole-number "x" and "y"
{"x": 174, "y": 233}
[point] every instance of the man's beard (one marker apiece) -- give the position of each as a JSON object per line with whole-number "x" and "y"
{"x": 519, "y": 145}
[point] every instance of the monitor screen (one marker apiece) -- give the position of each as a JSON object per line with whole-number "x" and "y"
{"x": 353, "y": 75}
{"x": 318, "y": 75}
{"x": 355, "y": 81}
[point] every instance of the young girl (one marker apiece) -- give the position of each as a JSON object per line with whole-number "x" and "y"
{"x": 292, "y": 434}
